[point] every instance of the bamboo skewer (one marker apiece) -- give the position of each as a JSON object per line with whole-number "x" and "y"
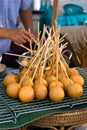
{"x": 57, "y": 62}
{"x": 33, "y": 61}
{"x": 50, "y": 49}
{"x": 21, "y": 45}
{"x": 37, "y": 67}
{"x": 12, "y": 54}
{"x": 44, "y": 62}
{"x": 32, "y": 38}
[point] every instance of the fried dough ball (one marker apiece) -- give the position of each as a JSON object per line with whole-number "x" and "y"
{"x": 74, "y": 90}
{"x": 77, "y": 79}
{"x": 24, "y": 74}
{"x": 26, "y": 77}
{"x": 41, "y": 81}
{"x": 50, "y": 78}
{"x": 10, "y": 78}
{"x": 54, "y": 72}
{"x": 24, "y": 62}
{"x": 40, "y": 91}
{"x": 23, "y": 71}
{"x": 26, "y": 94}
{"x": 61, "y": 75}
{"x": 56, "y": 94}
{"x": 38, "y": 73}
{"x": 48, "y": 72}
{"x": 59, "y": 67}
{"x": 66, "y": 82}
{"x": 27, "y": 82}
{"x": 72, "y": 71}
{"x": 13, "y": 90}
{"x": 55, "y": 83}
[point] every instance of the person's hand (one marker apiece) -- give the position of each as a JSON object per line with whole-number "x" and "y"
{"x": 19, "y": 35}
{"x": 33, "y": 35}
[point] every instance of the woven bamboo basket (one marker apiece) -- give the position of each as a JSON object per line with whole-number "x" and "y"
{"x": 71, "y": 119}
{"x": 66, "y": 119}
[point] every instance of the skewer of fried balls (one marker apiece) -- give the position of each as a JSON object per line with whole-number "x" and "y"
{"x": 38, "y": 81}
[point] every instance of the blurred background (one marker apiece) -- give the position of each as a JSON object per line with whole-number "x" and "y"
{"x": 72, "y": 18}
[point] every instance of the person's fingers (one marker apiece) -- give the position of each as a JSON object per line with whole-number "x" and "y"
{"x": 23, "y": 36}
{"x": 29, "y": 34}
{"x": 21, "y": 40}
{"x": 27, "y": 38}
{"x": 26, "y": 33}
{"x": 33, "y": 36}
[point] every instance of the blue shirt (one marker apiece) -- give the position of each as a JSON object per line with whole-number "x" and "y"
{"x": 9, "y": 12}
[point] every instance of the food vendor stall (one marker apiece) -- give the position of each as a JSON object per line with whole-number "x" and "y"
{"x": 45, "y": 113}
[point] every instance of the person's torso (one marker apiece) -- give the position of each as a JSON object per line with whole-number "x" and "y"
{"x": 9, "y": 10}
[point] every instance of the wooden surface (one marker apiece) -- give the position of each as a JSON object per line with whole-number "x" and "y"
{"x": 55, "y": 12}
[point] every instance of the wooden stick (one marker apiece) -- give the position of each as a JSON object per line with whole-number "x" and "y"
{"x": 32, "y": 38}
{"x": 63, "y": 37}
{"x": 63, "y": 66}
{"x": 21, "y": 45}
{"x": 33, "y": 61}
{"x": 57, "y": 62}
{"x": 37, "y": 67}
{"x": 44, "y": 62}
{"x": 55, "y": 12}
{"x": 12, "y": 54}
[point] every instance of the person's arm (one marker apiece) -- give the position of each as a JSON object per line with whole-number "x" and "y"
{"x": 18, "y": 35}
{"x": 4, "y": 33}
{"x": 27, "y": 20}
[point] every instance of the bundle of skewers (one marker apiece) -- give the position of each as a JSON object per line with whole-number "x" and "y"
{"x": 45, "y": 72}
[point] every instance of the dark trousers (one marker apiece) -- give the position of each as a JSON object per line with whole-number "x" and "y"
{"x": 10, "y": 61}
